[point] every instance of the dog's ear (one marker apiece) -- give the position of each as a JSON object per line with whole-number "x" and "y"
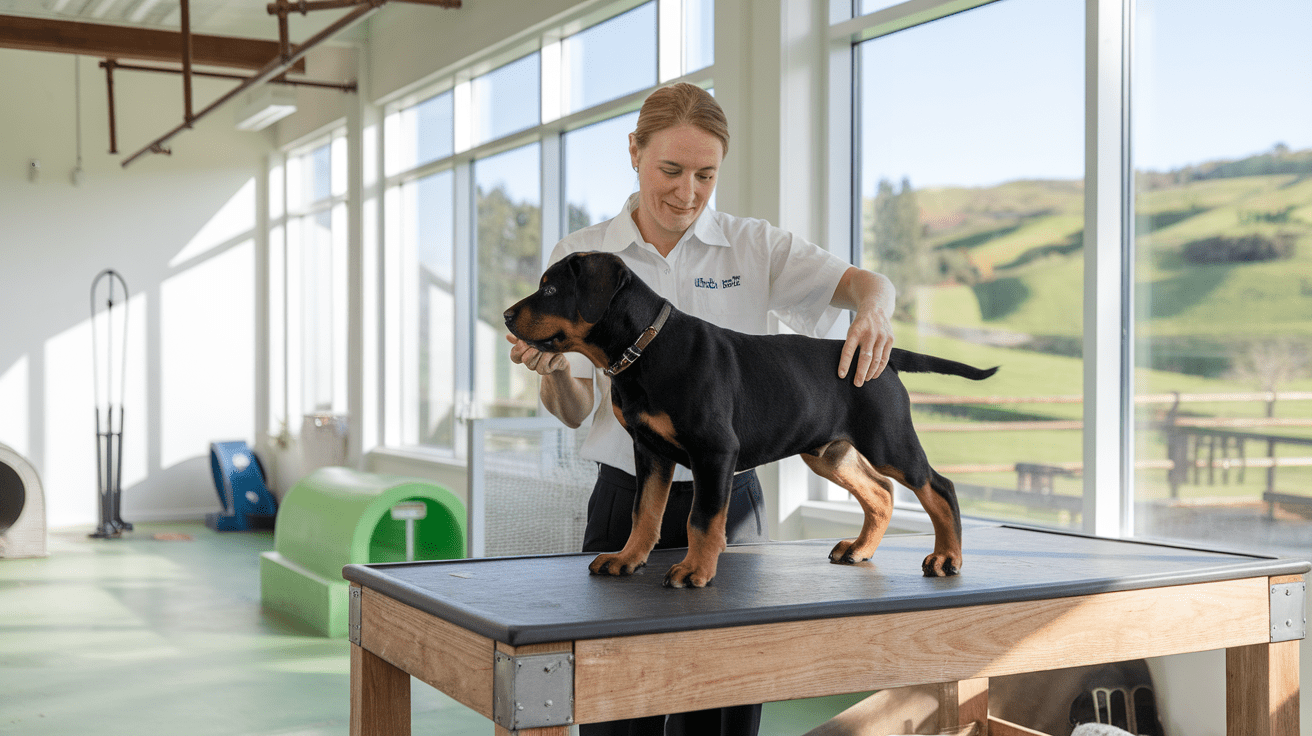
{"x": 598, "y": 277}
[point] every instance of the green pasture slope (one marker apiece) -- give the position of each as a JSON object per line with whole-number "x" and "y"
{"x": 1024, "y": 240}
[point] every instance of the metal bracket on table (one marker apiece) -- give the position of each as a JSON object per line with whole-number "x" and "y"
{"x": 533, "y": 691}
{"x": 1288, "y": 612}
{"x": 353, "y": 615}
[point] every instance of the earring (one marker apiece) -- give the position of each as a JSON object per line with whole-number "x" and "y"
{"x": 635, "y": 169}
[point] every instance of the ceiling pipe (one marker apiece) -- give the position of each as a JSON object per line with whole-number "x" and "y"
{"x": 109, "y": 64}
{"x": 186, "y": 62}
{"x": 339, "y": 86}
{"x": 272, "y": 69}
{"x": 282, "y": 7}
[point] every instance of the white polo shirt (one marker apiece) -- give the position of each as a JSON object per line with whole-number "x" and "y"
{"x": 730, "y": 271}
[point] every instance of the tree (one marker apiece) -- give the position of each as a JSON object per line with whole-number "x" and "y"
{"x": 1268, "y": 364}
{"x": 579, "y": 217}
{"x": 509, "y": 252}
{"x": 509, "y": 265}
{"x": 892, "y": 237}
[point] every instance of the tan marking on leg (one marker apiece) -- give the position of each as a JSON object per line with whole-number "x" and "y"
{"x": 619, "y": 415}
{"x": 662, "y": 425}
{"x": 704, "y": 547}
{"x": 841, "y": 463}
{"x": 946, "y": 559}
{"x": 644, "y": 535}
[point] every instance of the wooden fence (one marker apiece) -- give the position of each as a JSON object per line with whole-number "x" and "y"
{"x": 1198, "y": 448}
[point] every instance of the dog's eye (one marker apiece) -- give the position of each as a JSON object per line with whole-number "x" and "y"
{"x": 548, "y": 291}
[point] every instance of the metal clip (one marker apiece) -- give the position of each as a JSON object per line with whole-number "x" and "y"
{"x": 353, "y": 615}
{"x": 1288, "y": 612}
{"x": 533, "y": 691}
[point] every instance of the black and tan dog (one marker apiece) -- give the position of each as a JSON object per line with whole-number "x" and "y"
{"x": 719, "y": 401}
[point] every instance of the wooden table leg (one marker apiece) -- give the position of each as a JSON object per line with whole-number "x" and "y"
{"x": 1261, "y": 690}
{"x": 380, "y": 696}
{"x": 963, "y": 703}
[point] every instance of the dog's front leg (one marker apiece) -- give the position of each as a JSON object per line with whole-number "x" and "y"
{"x": 654, "y": 476}
{"x": 712, "y": 485}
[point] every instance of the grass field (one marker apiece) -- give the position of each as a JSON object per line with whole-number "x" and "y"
{"x": 1195, "y": 321}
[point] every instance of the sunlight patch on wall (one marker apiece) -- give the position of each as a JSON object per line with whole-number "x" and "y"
{"x": 207, "y": 349}
{"x": 13, "y": 407}
{"x": 234, "y": 218}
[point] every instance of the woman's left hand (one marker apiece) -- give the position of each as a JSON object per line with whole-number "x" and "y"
{"x": 872, "y": 298}
{"x": 870, "y": 339}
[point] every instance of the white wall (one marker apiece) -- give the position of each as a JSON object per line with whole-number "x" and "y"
{"x": 191, "y": 371}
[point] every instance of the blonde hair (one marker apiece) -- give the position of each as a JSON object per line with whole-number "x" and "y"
{"x": 681, "y": 104}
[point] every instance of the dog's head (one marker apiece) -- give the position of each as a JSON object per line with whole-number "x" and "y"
{"x": 571, "y": 298}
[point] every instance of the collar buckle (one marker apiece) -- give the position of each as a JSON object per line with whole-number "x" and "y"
{"x": 634, "y": 351}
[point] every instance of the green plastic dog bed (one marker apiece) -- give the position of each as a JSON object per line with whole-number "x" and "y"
{"x": 336, "y": 517}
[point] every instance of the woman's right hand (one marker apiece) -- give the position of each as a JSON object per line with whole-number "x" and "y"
{"x": 569, "y": 399}
{"x": 534, "y": 359}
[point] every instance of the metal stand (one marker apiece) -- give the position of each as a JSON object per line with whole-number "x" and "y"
{"x": 410, "y": 512}
{"x": 109, "y": 439}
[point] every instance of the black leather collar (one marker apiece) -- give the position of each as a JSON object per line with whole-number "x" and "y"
{"x": 634, "y": 351}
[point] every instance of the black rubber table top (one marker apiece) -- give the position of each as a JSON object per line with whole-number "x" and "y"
{"x": 528, "y": 600}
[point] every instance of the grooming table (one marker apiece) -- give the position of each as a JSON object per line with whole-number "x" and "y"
{"x": 538, "y": 643}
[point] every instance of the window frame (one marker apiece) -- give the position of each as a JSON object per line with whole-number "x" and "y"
{"x": 287, "y": 365}
{"x": 1108, "y": 437}
{"x": 549, "y": 134}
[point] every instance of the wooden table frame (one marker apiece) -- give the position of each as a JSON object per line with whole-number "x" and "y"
{"x": 633, "y": 676}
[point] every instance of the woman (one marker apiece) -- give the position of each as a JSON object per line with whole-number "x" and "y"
{"x": 728, "y": 270}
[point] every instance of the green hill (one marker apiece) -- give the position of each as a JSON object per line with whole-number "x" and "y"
{"x": 1009, "y": 258}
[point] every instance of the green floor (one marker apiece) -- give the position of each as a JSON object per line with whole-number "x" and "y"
{"x": 143, "y": 636}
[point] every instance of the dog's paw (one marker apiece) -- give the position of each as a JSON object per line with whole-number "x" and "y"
{"x": 940, "y": 565}
{"x": 616, "y": 564}
{"x": 847, "y": 552}
{"x": 688, "y": 575}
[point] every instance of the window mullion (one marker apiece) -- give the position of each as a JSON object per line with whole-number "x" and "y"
{"x": 1108, "y": 406}
{"x": 669, "y": 39}
{"x": 554, "y": 81}
{"x": 553, "y": 197}
{"x": 466, "y": 276}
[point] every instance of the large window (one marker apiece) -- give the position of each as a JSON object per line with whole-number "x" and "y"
{"x": 1223, "y": 272}
{"x": 421, "y": 133}
{"x": 508, "y": 99}
{"x": 597, "y": 171}
{"x": 428, "y": 207}
{"x": 588, "y": 58}
{"x": 970, "y": 163}
{"x": 698, "y": 34}
{"x": 308, "y": 283}
{"x": 865, "y": 7}
{"x": 972, "y": 202}
{"x": 508, "y": 206}
{"x": 485, "y": 172}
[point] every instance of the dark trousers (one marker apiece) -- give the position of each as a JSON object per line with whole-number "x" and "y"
{"x": 610, "y": 518}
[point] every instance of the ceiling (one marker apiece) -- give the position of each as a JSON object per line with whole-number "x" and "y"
{"x": 237, "y": 34}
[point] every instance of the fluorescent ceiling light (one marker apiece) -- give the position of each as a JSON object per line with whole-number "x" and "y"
{"x": 264, "y": 107}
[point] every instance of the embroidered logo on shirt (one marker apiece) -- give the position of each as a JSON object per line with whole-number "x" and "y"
{"x": 729, "y": 283}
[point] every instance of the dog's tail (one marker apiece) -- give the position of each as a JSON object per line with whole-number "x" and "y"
{"x": 905, "y": 361}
